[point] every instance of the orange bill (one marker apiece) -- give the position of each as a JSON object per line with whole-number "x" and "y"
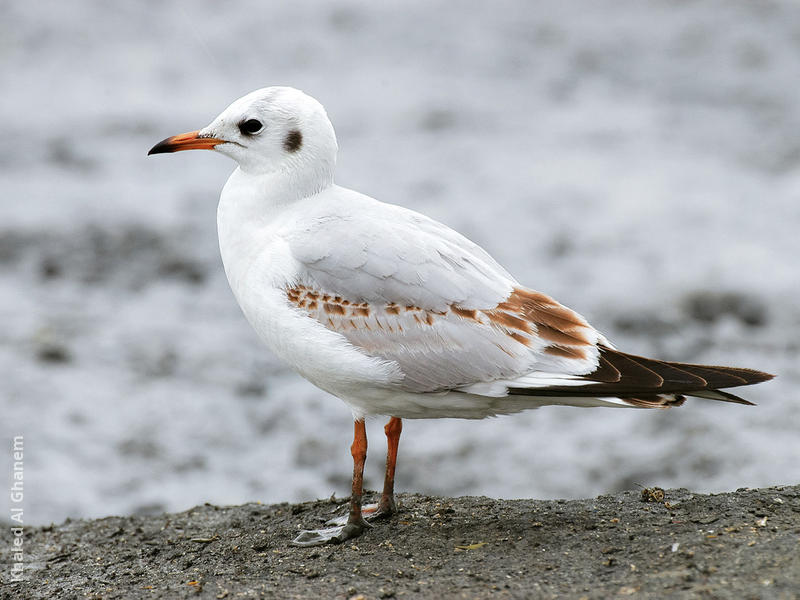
{"x": 185, "y": 141}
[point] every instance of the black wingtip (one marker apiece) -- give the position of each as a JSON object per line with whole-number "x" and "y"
{"x": 763, "y": 376}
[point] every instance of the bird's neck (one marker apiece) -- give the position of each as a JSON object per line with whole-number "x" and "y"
{"x": 255, "y": 197}
{"x": 251, "y": 203}
{"x": 249, "y": 207}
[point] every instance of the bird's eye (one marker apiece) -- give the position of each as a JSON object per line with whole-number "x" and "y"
{"x": 251, "y": 126}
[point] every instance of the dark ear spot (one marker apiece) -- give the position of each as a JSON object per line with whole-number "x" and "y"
{"x": 293, "y": 141}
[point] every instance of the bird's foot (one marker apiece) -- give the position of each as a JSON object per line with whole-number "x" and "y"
{"x": 371, "y": 512}
{"x": 385, "y": 508}
{"x": 342, "y": 530}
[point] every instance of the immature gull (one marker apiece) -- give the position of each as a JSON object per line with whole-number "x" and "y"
{"x": 393, "y": 312}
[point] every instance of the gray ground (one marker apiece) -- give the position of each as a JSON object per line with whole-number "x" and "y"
{"x": 644, "y": 544}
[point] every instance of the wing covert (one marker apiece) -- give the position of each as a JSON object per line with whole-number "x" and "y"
{"x": 422, "y": 295}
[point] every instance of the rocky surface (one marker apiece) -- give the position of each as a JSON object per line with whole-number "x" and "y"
{"x": 645, "y": 544}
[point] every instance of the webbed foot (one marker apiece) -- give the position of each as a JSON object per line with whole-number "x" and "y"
{"x": 343, "y": 530}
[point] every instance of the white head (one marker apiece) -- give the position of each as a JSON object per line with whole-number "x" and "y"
{"x": 271, "y": 130}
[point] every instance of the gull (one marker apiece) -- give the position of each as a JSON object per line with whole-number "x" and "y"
{"x": 394, "y": 313}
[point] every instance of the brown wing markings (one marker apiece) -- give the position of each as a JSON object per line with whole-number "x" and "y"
{"x": 522, "y": 339}
{"x": 464, "y": 313}
{"x": 524, "y": 315}
{"x": 333, "y": 309}
{"x": 565, "y": 352}
{"x": 540, "y": 308}
{"x": 557, "y": 336}
{"x": 508, "y": 320}
{"x": 566, "y": 333}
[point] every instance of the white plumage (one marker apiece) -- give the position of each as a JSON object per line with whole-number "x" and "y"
{"x": 343, "y": 244}
{"x": 395, "y": 313}
{"x": 337, "y": 242}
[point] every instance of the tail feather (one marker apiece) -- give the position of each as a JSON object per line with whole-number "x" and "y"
{"x": 647, "y": 382}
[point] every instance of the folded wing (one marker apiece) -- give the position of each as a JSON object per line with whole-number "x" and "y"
{"x": 439, "y": 306}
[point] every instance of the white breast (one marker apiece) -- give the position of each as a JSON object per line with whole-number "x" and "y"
{"x": 259, "y": 268}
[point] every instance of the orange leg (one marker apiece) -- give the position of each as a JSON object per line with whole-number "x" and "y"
{"x": 355, "y": 522}
{"x": 359, "y": 452}
{"x": 393, "y": 430}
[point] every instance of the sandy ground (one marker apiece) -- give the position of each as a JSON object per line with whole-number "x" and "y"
{"x": 636, "y": 159}
{"x": 641, "y": 544}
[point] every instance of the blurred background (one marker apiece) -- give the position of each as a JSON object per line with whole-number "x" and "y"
{"x": 638, "y": 160}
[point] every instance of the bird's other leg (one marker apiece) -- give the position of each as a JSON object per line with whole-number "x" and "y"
{"x": 355, "y": 524}
{"x": 386, "y": 506}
